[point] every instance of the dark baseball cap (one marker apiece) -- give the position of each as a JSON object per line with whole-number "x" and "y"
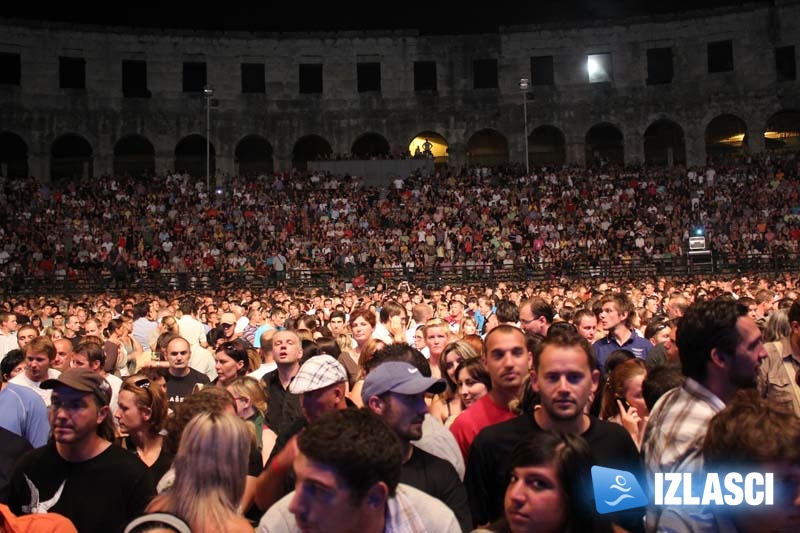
{"x": 84, "y": 380}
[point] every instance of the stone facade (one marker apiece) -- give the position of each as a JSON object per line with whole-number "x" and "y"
{"x": 39, "y": 112}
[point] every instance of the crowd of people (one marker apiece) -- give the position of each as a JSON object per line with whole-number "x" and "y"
{"x": 292, "y": 224}
{"x": 397, "y": 408}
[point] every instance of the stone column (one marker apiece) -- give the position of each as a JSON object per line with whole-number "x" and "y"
{"x": 457, "y": 154}
{"x": 39, "y": 166}
{"x": 576, "y": 151}
{"x": 164, "y": 162}
{"x": 695, "y": 146}
{"x": 755, "y": 139}
{"x": 282, "y": 161}
{"x": 634, "y": 147}
{"x": 103, "y": 165}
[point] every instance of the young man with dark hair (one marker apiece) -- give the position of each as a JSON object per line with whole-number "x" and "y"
{"x": 80, "y": 474}
{"x": 750, "y": 435}
{"x": 396, "y": 392}
{"x": 436, "y": 439}
{"x": 536, "y": 316}
{"x": 345, "y": 487}
{"x": 586, "y": 324}
{"x": 507, "y": 312}
{"x": 720, "y": 350}
{"x": 565, "y": 376}
{"x": 508, "y": 361}
{"x": 392, "y": 325}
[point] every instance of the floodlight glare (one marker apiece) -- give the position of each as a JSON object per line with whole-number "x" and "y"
{"x": 593, "y": 67}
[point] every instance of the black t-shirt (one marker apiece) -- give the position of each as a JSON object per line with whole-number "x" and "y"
{"x": 179, "y": 387}
{"x": 438, "y": 478}
{"x": 157, "y": 469}
{"x": 101, "y": 494}
{"x": 284, "y": 407}
{"x": 12, "y": 447}
{"x": 487, "y": 472}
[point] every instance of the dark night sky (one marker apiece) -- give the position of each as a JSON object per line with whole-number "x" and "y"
{"x": 434, "y": 17}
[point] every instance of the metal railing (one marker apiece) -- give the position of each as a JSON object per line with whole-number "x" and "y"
{"x": 481, "y": 274}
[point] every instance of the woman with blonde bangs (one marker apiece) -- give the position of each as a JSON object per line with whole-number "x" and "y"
{"x": 348, "y": 358}
{"x": 447, "y": 405}
{"x": 53, "y": 332}
{"x": 468, "y": 326}
{"x": 141, "y": 413}
{"x": 251, "y": 406}
{"x": 437, "y": 336}
{"x": 210, "y": 471}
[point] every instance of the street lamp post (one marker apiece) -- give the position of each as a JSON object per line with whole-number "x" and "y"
{"x": 523, "y": 86}
{"x": 208, "y": 92}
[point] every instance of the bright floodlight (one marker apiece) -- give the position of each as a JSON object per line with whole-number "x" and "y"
{"x": 523, "y": 83}
{"x": 598, "y": 66}
{"x": 592, "y": 67}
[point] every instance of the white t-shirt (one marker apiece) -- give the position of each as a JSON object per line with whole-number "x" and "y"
{"x": 265, "y": 368}
{"x": 7, "y": 343}
{"x": 116, "y": 384}
{"x": 192, "y": 330}
{"x": 44, "y": 394}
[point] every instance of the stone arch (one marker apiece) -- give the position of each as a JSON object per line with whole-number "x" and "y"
{"x": 487, "y": 147}
{"x": 547, "y": 146}
{"x": 664, "y": 143}
{"x": 783, "y": 131}
{"x": 254, "y": 155}
{"x": 725, "y": 134}
{"x": 439, "y": 147}
{"x": 134, "y": 156}
{"x": 605, "y": 144}
{"x": 71, "y": 156}
{"x": 370, "y": 145}
{"x": 310, "y": 148}
{"x": 190, "y": 156}
{"x": 13, "y": 155}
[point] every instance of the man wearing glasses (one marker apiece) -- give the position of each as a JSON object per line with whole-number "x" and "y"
{"x": 536, "y": 316}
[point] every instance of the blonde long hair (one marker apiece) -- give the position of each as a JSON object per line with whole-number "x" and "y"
{"x": 210, "y": 472}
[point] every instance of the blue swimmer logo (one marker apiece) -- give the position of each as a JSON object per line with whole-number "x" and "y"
{"x": 616, "y": 490}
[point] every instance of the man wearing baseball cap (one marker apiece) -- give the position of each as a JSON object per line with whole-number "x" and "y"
{"x": 321, "y": 384}
{"x": 79, "y": 473}
{"x": 228, "y": 324}
{"x": 396, "y": 391}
